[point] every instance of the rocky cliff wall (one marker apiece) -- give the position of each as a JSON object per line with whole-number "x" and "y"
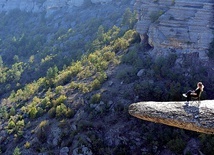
{"x": 186, "y": 26}
{"x": 42, "y": 5}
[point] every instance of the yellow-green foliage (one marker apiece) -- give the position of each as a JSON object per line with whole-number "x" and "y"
{"x": 120, "y": 44}
{"x": 42, "y": 130}
{"x": 95, "y": 84}
{"x": 46, "y": 103}
{"x": 16, "y": 151}
{"x": 60, "y": 99}
{"x": 33, "y": 112}
{"x": 96, "y": 98}
{"x": 24, "y": 94}
{"x": 89, "y": 73}
{"x": 3, "y": 112}
{"x": 12, "y": 111}
{"x": 15, "y": 125}
{"x": 27, "y": 145}
{"x": 11, "y": 126}
{"x": 59, "y": 89}
{"x": 131, "y": 36}
{"x": 83, "y": 87}
{"x": 66, "y": 75}
{"x": 63, "y": 111}
{"x": 73, "y": 85}
{"x": 33, "y": 108}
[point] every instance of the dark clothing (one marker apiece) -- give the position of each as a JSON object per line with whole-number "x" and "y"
{"x": 189, "y": 95}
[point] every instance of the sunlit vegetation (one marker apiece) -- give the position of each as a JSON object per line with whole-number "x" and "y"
{"x": 46, "y": 45}
{"x": 17, "y": 151}
{"x": 84, "y": 75}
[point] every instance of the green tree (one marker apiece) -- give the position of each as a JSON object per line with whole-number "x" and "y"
{"x": 12, "y": 111}
{"x": 129, "y": 18}
{"x": 100, "y": 33}
{"x": 41, "y": 131}
{"x": 16, "y": 58}
{"x": 33, "y": 112}
{"x": 16, "y": 151}
{"x": 1, "y": 62}
{"x": 211, "y": 50}
{"x": 31, "y": 59}
{"x": 52, "y": 72}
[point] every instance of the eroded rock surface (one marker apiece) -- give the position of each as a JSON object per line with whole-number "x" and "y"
{"x": 195, "y": 117}
{"x": 42, "y": 5}
{"x": 180, "y": 25}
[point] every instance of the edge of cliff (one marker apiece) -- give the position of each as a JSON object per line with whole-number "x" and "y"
{"x": 195, "y": 116}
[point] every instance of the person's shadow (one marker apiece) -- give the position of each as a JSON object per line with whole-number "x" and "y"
{"x": 192, "y": 110}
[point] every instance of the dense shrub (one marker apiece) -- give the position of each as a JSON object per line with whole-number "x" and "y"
{"x": 59, "y": 89}
{"x": 15, "y": 126}
{"x": 27, "y": 145}
{"x": 33, "y": 112}
{"x": 42, "y": 131}
{"x": 120, "y": 44}
{"x": 16, "y": 151}
{"x": 211, "y": 51}
{"x": 129, "y": 18}
{"x": 12, "y": 111}
{"x": 127, "y": 75}
{"x": 96, "y": 98}
{"x": 52, "y": 112}
{"x": 63, "y": 111}
{"x": 207, "y": 142}
{"x": 59, "y": 100}
{"x": 95, "y": 84}
{"x": 177, "y": 145}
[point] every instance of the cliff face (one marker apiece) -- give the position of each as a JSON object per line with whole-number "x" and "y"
{"x": 42, "y": 5}
{"x": 181, "y": 25}
{"x": 195, "y": 117}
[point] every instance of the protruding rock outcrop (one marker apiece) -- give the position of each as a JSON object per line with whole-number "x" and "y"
{"x": 181, "y": 25}
{"x": 195, "y": 117}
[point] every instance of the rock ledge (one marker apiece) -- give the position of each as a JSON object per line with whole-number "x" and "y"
{"x": 195, "y": 116}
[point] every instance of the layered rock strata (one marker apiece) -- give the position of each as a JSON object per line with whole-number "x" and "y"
{"x": 182, "y": 25}
{"x": 194, "y": 117}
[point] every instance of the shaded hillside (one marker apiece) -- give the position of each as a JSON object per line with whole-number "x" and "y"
{"x": 31, "y": 43}
{"x": 85, "y": 106}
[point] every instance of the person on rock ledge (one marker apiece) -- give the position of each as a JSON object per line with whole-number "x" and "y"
{"x": 194, "y": 93}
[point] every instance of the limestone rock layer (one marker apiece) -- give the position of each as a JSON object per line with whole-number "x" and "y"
{"x": 183, "y": 25}
{"x": 195, "y": 116}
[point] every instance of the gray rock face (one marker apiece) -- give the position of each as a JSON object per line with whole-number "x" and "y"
{"x": 183, "y": 25}
{"x": 45, "y": 5}
{"x": 195, "y": 117}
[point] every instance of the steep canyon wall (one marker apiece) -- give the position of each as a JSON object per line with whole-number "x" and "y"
{"x": 184, "y": 26}
{"x": 42, "y": 5}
